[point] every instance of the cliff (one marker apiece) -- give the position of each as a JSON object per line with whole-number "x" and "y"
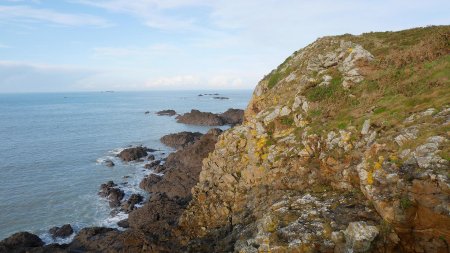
{"x": 344, "y": 148}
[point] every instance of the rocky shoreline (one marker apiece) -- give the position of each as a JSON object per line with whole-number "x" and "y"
{"x": 168, "y": 185}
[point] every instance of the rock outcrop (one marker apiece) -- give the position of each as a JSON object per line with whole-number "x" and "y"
{"x": 196, "y": 117}
{"x": 180, "y": 140}
{"x": 334, "y": 155}
{"x": 132, "y": 154}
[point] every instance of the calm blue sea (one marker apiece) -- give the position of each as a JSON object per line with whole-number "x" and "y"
{"x": 52, "y": 145}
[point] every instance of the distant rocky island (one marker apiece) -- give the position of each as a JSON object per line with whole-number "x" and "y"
{"x": 344, "y": 147}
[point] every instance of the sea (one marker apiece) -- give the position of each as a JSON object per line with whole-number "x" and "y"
{"x": 53, "y": 147}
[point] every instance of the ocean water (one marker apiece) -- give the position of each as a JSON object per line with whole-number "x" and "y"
{"x": 52, "y": 147}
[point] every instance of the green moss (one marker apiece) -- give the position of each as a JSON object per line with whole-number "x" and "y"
{"x": 405, "y": 203}
{"x": 287, "y": 121}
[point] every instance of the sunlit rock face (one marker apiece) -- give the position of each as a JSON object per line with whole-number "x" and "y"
{"x": 335, "y": 154}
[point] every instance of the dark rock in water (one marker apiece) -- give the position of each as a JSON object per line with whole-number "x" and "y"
{"x": 148, "y": 181}
{"x": 152, "y": 164}
{"x": 132, "y": 154}
{"x": 150, "y": 157}
{"x": 200, "y": 95}
{"x": 109, "y": 163}
{"x": 180, "y": 140}
{"x": 105, "y": 188}
{"x": 166, "y": 113}
{"x": 123, "y": 223}
{"x": 147, "y": 112}
{"x": 221, "y": 98}
{"x": 130, "y": 204}
{"x": 233, "y": 116}
{"x": 115, "y": 196}
{"x": 112, "y": 193}
{"x": 62, "y": 232}
{"x": 20, "y": 242}
{"x": 196, "y": 117}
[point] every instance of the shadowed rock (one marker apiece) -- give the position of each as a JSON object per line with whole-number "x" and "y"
{"x": 62, "y": 232}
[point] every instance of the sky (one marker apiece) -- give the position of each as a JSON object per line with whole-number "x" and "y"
{"x": 94, "y": 45}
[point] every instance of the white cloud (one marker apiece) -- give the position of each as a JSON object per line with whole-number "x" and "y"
{"x": 153, "y": 12}
{"x": 22, "y": 13}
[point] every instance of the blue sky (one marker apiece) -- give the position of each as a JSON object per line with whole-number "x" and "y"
{"x": 83, "y": 45}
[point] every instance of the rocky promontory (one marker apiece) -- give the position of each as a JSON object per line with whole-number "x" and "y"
{"x": 344, "y": 148}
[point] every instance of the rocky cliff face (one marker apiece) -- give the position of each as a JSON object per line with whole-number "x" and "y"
{"x": 344, "y": 148}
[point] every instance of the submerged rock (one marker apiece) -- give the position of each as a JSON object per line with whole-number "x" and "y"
{"x": 109, "y": 163}
{"x": 166, "y": 113}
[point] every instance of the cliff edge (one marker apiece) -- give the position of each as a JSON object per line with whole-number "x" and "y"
{"x": 344, "y": 148}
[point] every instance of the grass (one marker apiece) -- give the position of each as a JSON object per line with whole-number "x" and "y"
{"x": 287, "y": 121}
{"x": 405, "y": 203}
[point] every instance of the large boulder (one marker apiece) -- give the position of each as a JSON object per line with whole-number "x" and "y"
{"x": 196, "y": 117}
{"x": 132, "y": 154}
{"x": 20, "y": 242}
{"x": 180, "y": 140}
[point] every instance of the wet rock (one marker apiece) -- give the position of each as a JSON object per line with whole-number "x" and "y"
{"x": 62, "y": 232}
{"x": 359, "y": 236}
{"x": 147, "y": 112}
{"x": 196, "y": 117}
{"x": 166, "y": 113}
{"x": 150, "y": 157}
{"x": 131, "y": 202}
{"x": 109, "y": 163}
{"x": 123, "y": 223}
{"x": 152, "y": 164}
{"x": 112, "y": 193}
{"x": 180, "y": 140}
{"x": 233, "y": 116}
{"x": 115, "y": 196}
{"x": 20, "y": 242}
{"x": 221, "y": 98}
{"x": 132, "y": 154}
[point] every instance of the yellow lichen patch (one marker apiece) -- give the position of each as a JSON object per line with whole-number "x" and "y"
{"x": 261, "y": 143}
{"x": 370, "y": 177}
{"x": 376, "y": 166}
{"x": 264, "y": 157}
{"x": 346, "y": 137}
{"x": 350, "y": 50}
